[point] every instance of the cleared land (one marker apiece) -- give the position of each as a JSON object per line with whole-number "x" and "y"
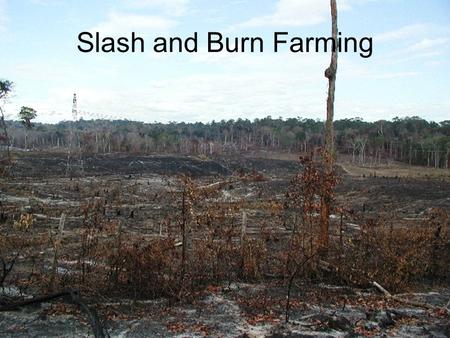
{"x": 142, "y": 194}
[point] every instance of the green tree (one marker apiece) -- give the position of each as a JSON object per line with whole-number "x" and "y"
{"x": 26, "y": 115}
{"x": 5, "y": 89}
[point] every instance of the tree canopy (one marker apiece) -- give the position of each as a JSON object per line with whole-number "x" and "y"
{"x": 26, "y": 115}
{"x": 410, "y": 139}
{"x": 6, "y": 88}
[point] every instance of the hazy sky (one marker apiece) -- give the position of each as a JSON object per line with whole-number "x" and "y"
{"x": 408, "y": 74}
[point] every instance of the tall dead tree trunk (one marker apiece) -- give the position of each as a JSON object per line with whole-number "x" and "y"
{"x": 26, "y": 139}
{"x": 447, "y": 163}
{"x": 5, "y": 135}
{"x": 330, "y": 74}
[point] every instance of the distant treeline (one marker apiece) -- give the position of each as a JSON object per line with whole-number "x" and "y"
{"x": 412, "y": 140}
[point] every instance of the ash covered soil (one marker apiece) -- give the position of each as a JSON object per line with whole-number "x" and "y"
{"x": 245, "y": 310}
{"x": 40, "y": 186}
{"x": 409, "y": 197}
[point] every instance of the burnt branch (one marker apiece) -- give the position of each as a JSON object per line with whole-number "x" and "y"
{"x": 71, "y": 297}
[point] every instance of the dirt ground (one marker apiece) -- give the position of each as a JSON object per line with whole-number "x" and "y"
{"x": 144, "y": 185}
{"x": 245, "y": 310}
{"x": 40, "y": 183}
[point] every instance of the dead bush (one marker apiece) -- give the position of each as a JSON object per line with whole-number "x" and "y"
{"x": 144, "y": 270}
{"x": 399, "y": 257}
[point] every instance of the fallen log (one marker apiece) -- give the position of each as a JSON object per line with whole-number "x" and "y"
{"x": 401, "y": 300}
{"x": 69, "y": 296}
{"x": 329, "y": 267}
{"x": 217, "y": 185}
{"x": 382, "y": 289}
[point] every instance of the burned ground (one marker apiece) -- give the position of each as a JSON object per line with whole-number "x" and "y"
{"x": 55, "y": 165}
{"x": 368, "y": 193}
{"x": 405, "y": 196}
{"x": 245, "y": 310}
{"x": 140, "y": 193}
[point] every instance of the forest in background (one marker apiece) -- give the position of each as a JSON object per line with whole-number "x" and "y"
{"x": 410, "y": 140}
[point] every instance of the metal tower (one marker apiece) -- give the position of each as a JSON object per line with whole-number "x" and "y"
{"x": 74, "y": 159}
{"x": 74, "y": 108}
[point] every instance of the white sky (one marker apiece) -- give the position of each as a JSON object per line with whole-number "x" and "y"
{"x": 408, "y": 74}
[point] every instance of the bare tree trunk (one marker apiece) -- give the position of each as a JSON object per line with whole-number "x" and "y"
{"x": 436, "y": 157}
{"x": 26, "y": 140}
{"x": 184, "y": 238}
{"x": 447, "y": 159}
{"x": 410, "y": 154}
{"x": 330, "y": 74}
{"x": 5, "y": 134}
